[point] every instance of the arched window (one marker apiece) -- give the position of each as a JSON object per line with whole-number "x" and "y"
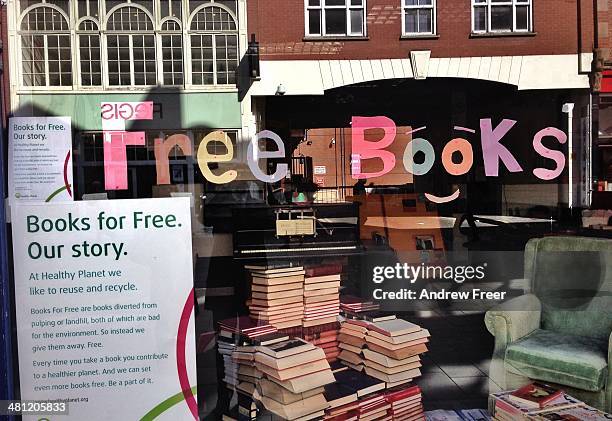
{"x": 46, "y": 56}
{"x": 172, "y": 52}
{"x": 214, "y": 46}
{"x": 89, "y": 53}
{"x": 130, "y": 41}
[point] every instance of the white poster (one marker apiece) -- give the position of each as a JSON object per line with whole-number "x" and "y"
{"x": 104, "y": 303}
{"x": 40, "y": 159}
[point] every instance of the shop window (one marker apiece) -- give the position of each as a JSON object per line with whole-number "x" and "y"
{"x": 419, "y": 17}
{"x": 131, "y": 48}
{"x": 501, "y": 16}
{"x": 335, "y": 17}
{"x": 46, "y": 56}
{"x": 214, "y": 46}
{"x": 89, "y": 54}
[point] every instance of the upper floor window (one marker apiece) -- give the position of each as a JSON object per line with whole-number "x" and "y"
{"x": 335, "y": 17}
{"x": 131, "y": 48}
{"x": 214, "y": 46}
{"x": 46, "y": 56}
{"x": 119, "y": 43}
{"x": 501, "y": 15}
{"x": 419, "y": 17}
{"x": 90, "y": 64}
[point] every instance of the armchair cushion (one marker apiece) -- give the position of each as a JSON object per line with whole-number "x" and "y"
{"x": 569, "y": 360}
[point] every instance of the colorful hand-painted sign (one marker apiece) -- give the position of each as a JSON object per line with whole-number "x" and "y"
{"x": 493, "y": 150}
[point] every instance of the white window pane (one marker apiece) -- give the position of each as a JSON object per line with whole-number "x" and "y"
{"x": 411, "y": 21}
{"x": 480, "y": 19}
{"x": 314, "y": 22}
{"x": 335, "y": 22}
{"x": 357, "y": 22}
{"x": 501, "y": 18}
{"x": 335, "y": 2}
{"x": 411, "y": 2}
{"x": 522, "y": 18}
{"x": 425, "y": 21}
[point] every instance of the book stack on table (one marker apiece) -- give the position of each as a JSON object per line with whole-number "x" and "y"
{"x": 277, "y": 295}
{"x": 294, "y": 375}
{"x": 357, "y": 396}
{"x": 238, "y": 334}
{"x": 352, "y": 306}
{"x": 393, "y": 350}
{"x": 321, "y": 295}
{"x": 388, "y": 350}
{"x": 406, "y": 404}
{"x": 351, "y": 341}
{"x": 540, "y": 402}
{"x": 325, "y": 337}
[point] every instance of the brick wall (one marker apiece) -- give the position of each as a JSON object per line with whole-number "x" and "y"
{"x": 279, "y": 26}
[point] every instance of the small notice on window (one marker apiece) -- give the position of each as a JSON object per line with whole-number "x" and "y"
{"x": 320, "y": 169}
{"x": 40, "y": 159}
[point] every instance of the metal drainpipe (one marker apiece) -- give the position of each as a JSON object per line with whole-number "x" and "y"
{"x": 568, "y": 108}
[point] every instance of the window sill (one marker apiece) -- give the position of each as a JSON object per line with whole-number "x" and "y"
{"x": 502, "y": 34}
{"x": 130, "y": 90}
{"x": 419, "y": 36}
{"x": 335, "y": 38}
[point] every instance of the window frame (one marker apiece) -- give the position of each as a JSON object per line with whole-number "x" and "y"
{"x": 434, "y": 18}
{"x": 213, "y": 33}
{"x": 20, "y": 62}
{"x": 161, "y": 33}
{"x": 130, "y": 34}
{"x": 513, "y": 4}
{"x": 322, "y": 7}
{"x": 99, "y": 12}
{"x": 77, "y": 56}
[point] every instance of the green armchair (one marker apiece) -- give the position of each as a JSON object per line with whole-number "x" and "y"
{"x": 560, "y": 332}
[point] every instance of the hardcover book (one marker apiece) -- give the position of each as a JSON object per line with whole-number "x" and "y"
{"x": 535, "y": 395}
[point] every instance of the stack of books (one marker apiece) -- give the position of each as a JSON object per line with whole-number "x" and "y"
{"x": 388, "y": 350}
{"x": 230, "y": 368}
{"x": 393, "y": 350}
{"x": 277, "y": 296}
{"x": 351, "y": 341}
{"x": 406, "y": 403}
{"x": 359, "y": 396}
{"x": 325, "y": 337}
{"x": 295, "y": 373}
{"x": 352, "y": 306}
{"x": 538, "y": 401}
{"x": 236, "y": 343}
{"x": 321, "y": 298}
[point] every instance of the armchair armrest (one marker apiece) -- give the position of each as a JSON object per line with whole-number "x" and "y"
{"x": 514, "y": 319}
{"x": 509, "y": 322}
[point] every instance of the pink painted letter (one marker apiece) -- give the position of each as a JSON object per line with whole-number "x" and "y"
{"x": 493, "y": 150}
{"x": 557, "y": 156}
{"x": 368, "y": 150}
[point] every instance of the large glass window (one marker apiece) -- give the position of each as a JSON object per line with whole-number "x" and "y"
{"x": 46, "y": 56}
{"x": 131, "y": 48}
{"x": 501, "y": 15}
{"x": 419, "y": 17}
{"x": 214, "y": 47}
{"x": 335, "y": 17}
